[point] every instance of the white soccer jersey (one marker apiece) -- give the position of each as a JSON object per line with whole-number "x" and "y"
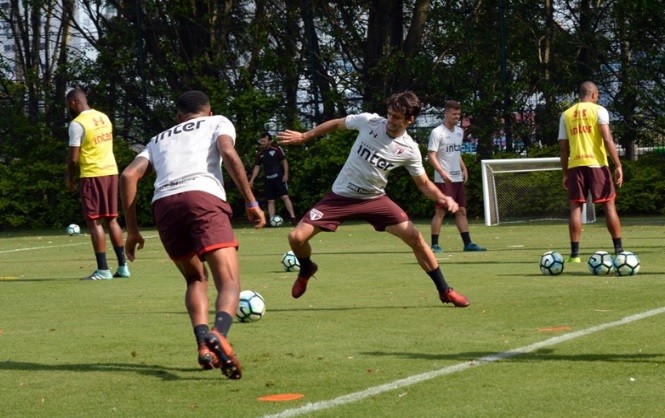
{"x": 373, "y": 155}
{"x": 448, "y": 147}
{"x": 185, "y": 157}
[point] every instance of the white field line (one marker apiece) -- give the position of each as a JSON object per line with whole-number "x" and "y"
{"x": 55, "y": 246}
{"x": 357, "y": 396}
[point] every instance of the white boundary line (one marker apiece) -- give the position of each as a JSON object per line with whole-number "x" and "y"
{"x": 55, "y": 246}
{"x": 357, "y": 396}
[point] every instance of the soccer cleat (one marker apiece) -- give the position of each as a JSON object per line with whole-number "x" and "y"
{"x": 207, "y": 359}
{"x": 436, "y": 249}
{"x": 450, "y": 296}
{"x": 572, "y": 259}
{"x": 294, "y": 221}
{"x": 99, "y": 275}
{"x": 300, "y": 284}
{"x": 123, "y": 271}
{"x": 473, "y": 247}
{"x": 221, "y": 348}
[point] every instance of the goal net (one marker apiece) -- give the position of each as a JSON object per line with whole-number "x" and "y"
{"x": 527, "y": 189}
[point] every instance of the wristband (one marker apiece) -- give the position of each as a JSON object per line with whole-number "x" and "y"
{"x": 251, "y": 205}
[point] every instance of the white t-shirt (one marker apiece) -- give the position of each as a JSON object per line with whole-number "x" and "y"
{"x": 185, "y": 157}
{"x": 448, "y": 147}
{"x": 372, "y": 156}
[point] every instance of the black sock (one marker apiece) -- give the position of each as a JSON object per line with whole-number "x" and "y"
{"x": 574, "y": 249}
{"x": 120, "y": 253}
{"x": 466, "y": 237}
{"x": 618, "y": 246}
{"x": 223, "y": 322}
{"x": 200, "y": 332}
{"x": 437, "y": 277}
{"x": 305, "y": 265}
{"x": 102, "y": 264}
{"x": 435, "y": 239}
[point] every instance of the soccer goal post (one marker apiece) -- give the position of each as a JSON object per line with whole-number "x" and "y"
{"x": 527, "y": 189}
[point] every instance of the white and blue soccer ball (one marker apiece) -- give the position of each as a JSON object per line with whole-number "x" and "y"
{"x": 626, "y": 263}
{"x": 600, "y": 263}
{"x": 252, "y": 306}
{"x": 290, "y": 262}
{"x": 551, "y": 263}
{"x": 276, "y": 221}
{"x": 73, "y": 229}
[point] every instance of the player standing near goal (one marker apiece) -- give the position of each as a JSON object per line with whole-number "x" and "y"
{"x": 586, "y": 140}
{"x": 276, "y": 175}
{"x": 194, "y": 219}
{"x": 359, "y": 190}
{"x": 444, "y": 153}
{"x": 91, "y": 148}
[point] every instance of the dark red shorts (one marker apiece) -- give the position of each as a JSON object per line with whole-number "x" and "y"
{"x": 334, "y": 209}
{"x": 193, "y": 223}
{"x": 596, "y": 181}
{"x": 455, "y": 190}
{"x": 99, "y": 197}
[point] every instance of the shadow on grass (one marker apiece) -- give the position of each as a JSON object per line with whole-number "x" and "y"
{"x": 160, "y": 372}
{"x": 537, "y": 356}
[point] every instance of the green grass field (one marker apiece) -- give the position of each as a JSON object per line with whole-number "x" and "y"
{"x": 368, "y": 339}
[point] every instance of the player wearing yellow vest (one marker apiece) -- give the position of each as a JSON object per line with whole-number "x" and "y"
{"x": 91, "y": 148}
{"x": 586, "y": 141}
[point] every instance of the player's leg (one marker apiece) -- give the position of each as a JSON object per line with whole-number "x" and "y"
{"x": 289, "y": 208}
{"x": 299, "y": 242}
{"x": 410, "y": 235}
{"x": 115, "y": 234}
{"x": 575, "y": 231}
{"x": 92, "y": 206}
{"x": 224, "y": 267}
{"x": 613, "y": 225}
{"x": 271, "y": 208}
{"x": 435, "y": 228}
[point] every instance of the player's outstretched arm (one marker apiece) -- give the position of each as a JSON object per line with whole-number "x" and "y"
{"x": 289, "y": 137}
{"x": 430, "y": 190}
{"x": 237, "y": 172}
{"x": 129, "y": 180}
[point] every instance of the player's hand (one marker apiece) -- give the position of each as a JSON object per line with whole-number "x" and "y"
{"x": 618, "y": 176}
{"x": 289, "y": 137}
{"x": 133, "y": 240}
{"x": 565, "y": 182}
{"x": 449, "y": 203}
{"x": 256, "y": 214}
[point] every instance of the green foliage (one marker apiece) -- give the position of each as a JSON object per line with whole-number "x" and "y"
{"x": 643, "y": 190}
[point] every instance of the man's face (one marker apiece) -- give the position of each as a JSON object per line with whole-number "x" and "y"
{"x": 264, "y": 142}
{"x": 397, "y": 123}
{"x": 72, "y": 106}
{"x": 452, "y": 116}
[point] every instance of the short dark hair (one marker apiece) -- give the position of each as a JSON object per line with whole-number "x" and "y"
{"x": 266, "y": 135}
{"x": 406, "y": 102}
{"x": 452, "y": 104}
{"x": 75, "y": 94}
{"x": 192, "y": 102}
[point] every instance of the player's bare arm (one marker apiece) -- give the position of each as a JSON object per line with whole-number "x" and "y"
{"x": 72, "y": 161}
{"x": 129, "y": 180}
{"x": 237, "y": 172}
{"x": 434, "y": 162}
{"x": 289, "y": 137}
{"x": 606, "y": 133}
{"x": 431, "y": 191}
{"x": 564, "y": 153}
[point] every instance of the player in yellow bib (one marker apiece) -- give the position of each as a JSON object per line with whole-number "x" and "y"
{"x": 586, "y": 141}
{"x": 91, "y": 148}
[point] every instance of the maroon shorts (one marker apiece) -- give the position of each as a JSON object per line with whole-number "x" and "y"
{"x": 193, "y": 223}
{"x": 99, "y": 197}
{"x": 596, "y": 181}
{"x": 334, "y": 209}
{"x": 454, "y": 190}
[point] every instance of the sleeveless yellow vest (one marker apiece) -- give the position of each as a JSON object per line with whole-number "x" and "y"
{"x": 96, "y": 157}
{"x": 584, "y": 138}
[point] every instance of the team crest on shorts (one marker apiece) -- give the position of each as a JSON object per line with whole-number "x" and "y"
{"x": 315, "y": 214}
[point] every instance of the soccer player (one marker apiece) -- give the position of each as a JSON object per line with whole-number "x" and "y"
{"x": 91, "y": 148}
{"x": 276, "y": 175}
{"x": 358, "y": 192}
{"x": 444, "y": 153}
{"x": 194, "y": 219}
{"x": 586, "y": 140}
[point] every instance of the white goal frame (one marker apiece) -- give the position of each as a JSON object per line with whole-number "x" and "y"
{"x": 499, "y": 166}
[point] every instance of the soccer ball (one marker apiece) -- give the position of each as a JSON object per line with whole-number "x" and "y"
{"x": 600, "y": 263}
{"x": 73, "y": 229}
{"x": 290, "y": 262}
{"x": 626, "y": 263}
{"x": 252, "y": 306}
{"x": 276, "y": 221}
{"x": 551, "y": 263}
